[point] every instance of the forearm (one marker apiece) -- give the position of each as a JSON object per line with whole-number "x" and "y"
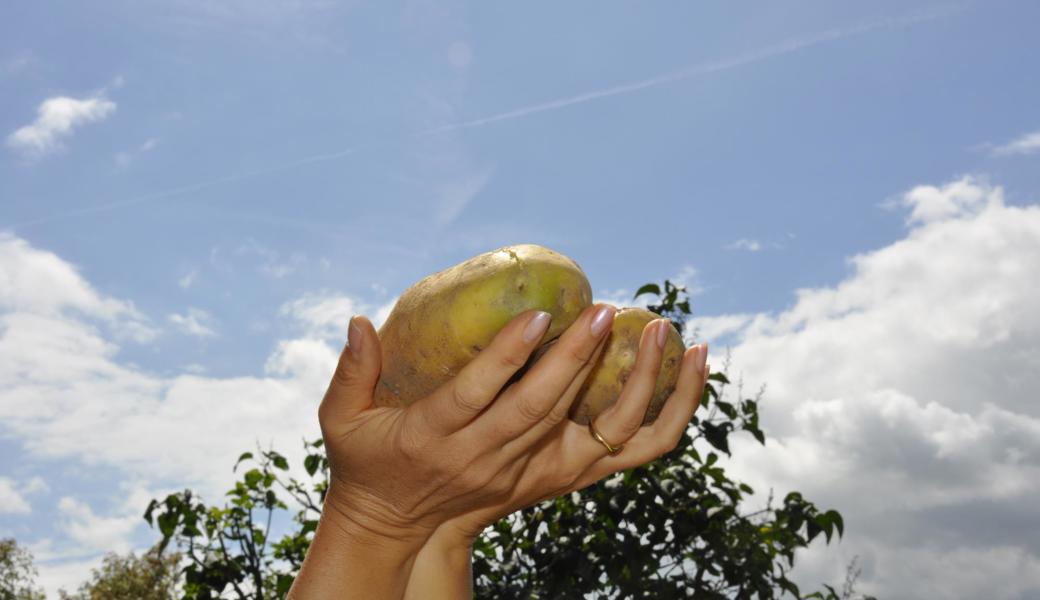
{"x": 443, "y": 569}
{"x": 346, "y": 561}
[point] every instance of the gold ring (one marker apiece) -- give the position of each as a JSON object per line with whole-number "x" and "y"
{"x": 599, "y": 438}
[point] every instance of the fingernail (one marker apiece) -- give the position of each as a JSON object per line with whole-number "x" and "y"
{"x": 354, "y": 337}
{"x": 704, "y": 358}
{"x": 662, "y": 332}
{"x": 601, "y": 322}
{"x": 536, "y": 326}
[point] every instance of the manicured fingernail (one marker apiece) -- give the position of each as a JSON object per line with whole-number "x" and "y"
{"x": 662, "y": 331}
{"x": 354, "y": 337}
{"x": 602, "y": 321}
{"x": 536, "y": 326}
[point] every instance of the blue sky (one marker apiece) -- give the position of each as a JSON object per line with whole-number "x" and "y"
{"x": 194, "y": 196}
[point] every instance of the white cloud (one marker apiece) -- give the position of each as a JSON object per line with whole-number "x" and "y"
{"x": 326, "y": 315}
{"x": 194, "y": 322}
{"x": 11, "y": 498}
{"x": 929, "y": 203}
{"x": 65, "y": 395}
{"x": 745, "y": 244}
{"x": 93, "y": 532}
{"x": 904, "y": 396}
{"x": 1027, "y": 144}
{"x": 56, "y": 119}
{"x": 39, "y": 283}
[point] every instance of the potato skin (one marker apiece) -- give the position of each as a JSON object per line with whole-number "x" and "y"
{"x": 442, "y": 322}
{"x": 603, "y": 386}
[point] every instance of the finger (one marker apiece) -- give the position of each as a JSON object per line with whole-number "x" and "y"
{"x": 536, "y": 393}
{"x": 457, "y": 402}
{"x": 559, "y": 411}
{"x": 355, "y": 377}
{"x": 664, "y": 435}
{"x": 624, "y": 418}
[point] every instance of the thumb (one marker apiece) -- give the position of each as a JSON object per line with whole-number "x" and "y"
{"x": 357, "y": 372}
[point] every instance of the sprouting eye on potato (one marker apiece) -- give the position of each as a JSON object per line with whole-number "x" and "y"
{"x": 442, "y": 322}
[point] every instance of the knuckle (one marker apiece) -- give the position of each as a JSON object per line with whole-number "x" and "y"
{"x": 529, "y": 410}
{"x": 630, "y": 425}
{"x": 512, "y": 360}
{"x": 580, "y": 354}
{"x": 413, "y": 444}
{"x": 463, "y": 398}
{"x": 557, "y": 414}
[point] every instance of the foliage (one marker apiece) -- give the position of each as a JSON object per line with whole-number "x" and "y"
{"x": 228, "y": 549}
{"x": 675, "y": 528}
{"x": 150, "y": 576}
{"x": 17, "y": 573}
{"x": 672, "y": 529}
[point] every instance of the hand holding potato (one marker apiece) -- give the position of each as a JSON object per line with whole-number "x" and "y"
{"x": 568, "y": 459}
{"x": 442, "y": 422}
{"x": 399, "y": 473}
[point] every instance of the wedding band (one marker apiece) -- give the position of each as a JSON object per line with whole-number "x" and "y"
{"x": 599, "y": 438}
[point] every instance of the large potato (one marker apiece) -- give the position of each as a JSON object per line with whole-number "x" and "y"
{"x": 439, "y": 324}
{"x": 603, "y": 385}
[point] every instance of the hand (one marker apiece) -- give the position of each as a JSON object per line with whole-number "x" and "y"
{"x": 401, "y": 472}
{"x": 567, "y": 459}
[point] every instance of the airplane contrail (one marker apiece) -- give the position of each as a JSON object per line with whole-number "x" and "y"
{"x": 706, "y": 68}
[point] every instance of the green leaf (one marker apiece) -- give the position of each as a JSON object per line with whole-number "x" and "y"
{"x": 244, "y": 456}
{"x": 311, "y": 463}
{"x": 839, "y": 522}
{"x": 253, "y": 477}
{"x": 650, "y": 288}
{"x": 716, "y": 435}
{"x": 280, "y": 462}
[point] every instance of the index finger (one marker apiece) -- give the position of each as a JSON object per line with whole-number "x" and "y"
{"x": 453, "y": 405}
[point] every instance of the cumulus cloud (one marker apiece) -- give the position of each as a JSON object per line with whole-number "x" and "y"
{"x": 56, "y": 120}
{"x": 12, "y": 499}
{"x": 905, "y": 396}
{"x": 1027, "y": 144}
{"x": 93, "y": 532}
{"x": 38, "y": 284}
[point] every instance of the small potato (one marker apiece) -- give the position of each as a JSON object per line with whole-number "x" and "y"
{"x": 603, "y": 385}
{"x": 442, "y": 322}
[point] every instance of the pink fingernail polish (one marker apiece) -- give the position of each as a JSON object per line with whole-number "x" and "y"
{"x": 662, "y": 332}
{"x": 536, "y": 326}
{"x": 602, "y": 321}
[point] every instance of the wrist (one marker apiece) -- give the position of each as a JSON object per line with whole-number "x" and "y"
{"x": 367, "y": 523}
